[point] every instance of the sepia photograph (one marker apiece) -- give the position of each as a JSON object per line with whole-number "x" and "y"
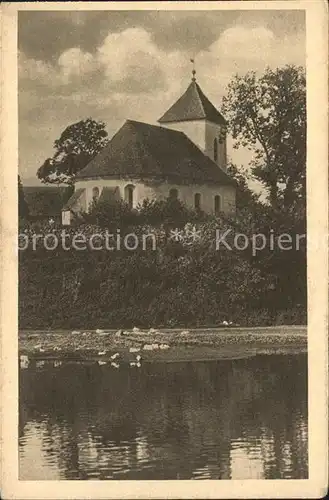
{"x": 163, "y": 243}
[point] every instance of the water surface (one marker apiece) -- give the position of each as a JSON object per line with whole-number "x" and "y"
{"x": 228, "y": 419}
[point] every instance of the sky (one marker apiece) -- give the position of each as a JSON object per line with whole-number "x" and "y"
{"x": 118, "y": 65}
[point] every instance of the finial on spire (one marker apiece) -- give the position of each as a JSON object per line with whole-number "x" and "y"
{"x": 193, "y": 70}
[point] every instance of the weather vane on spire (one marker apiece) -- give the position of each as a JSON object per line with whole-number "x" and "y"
{"x": 193, "y": 70}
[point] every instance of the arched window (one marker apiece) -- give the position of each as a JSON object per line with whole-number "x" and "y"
{"x": 217, "y": 204}
{"x": 129, "y": 195}
{"x": 197, "y": 201}
{"x": 95, "y": 193}
{"x": 215, "y": 150}
{"x": 173, "y": 194}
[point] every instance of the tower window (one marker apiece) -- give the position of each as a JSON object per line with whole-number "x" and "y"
{"x": 215, "y": 150}
{"x": 173, "y": 194}
{"x": 129, "y": 195}
{"x": 197, "y": 201}
{"x": 217, "y": 204}
{"x": 95, "y": 193}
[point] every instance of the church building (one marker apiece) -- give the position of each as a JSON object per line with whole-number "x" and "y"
{"x": 183, "y": 157}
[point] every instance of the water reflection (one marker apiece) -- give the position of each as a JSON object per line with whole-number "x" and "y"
{"x": 236, "y": 419}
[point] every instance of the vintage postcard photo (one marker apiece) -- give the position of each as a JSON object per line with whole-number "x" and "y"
{"x": 165, "y": 222}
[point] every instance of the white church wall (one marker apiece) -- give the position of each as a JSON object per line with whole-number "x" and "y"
{"x": 186, "y": 193}
{"x": 212, "y": 132}
{"x": 194, "y": 129}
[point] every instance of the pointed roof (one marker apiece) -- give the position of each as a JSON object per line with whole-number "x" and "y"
{"x": 142, "y": 151}
{"x": 192, "y": 105}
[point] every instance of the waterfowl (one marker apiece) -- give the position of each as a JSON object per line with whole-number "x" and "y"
{"x": 185, "y": 332}
{"x": 136, "y": 330}
{"x": 57, "y": 348}
{"x": 101, "y": 362}
{"x": 134, "y": 349}
{"x": 57, "y": 364}
{"x": 225, "y": 323}
{"x": 138, "y": 365}
{"x": 99, "y": 331}
{"x": 101, "y": 353}
{"x": 148, "y": 347}
{"x": 164, "y": 346}
{"x": 115, "y": 365}
{"x": 115, "y": 356}
{"x": 24, "y": 361}
{"x": 118, "y": 333}
{"x": 155, "y": 346}
{"x": 153, "y": 330}
{"x": 75, "y": 332}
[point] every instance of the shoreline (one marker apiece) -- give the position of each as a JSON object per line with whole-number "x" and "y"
{"x": 197, "y": 345}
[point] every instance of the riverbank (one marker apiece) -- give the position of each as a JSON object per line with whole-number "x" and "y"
{"x": 166, "y": 345}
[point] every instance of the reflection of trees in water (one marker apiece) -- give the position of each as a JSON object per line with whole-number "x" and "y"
{"x": 178, "y": 417}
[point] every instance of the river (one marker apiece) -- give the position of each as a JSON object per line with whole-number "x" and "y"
{"x": 227, "y": 419}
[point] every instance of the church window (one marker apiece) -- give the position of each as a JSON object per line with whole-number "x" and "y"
{"x": 95, "y": 193}
{"x": 215, "y": 150}
{"x": 197, "y": 201}
{"x": 173, "y": 194}
{"x": 217, "y": 203}
{"x": 129, "y": 195}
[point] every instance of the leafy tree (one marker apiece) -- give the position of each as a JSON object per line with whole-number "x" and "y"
{"x": 77, "y": 145}
{"x": 267, "y": 115}
{"x": 23, "y": 209}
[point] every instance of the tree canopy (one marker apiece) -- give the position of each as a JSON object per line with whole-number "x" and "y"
{"x": 267, "y": 114}
{"x": 78, "y": 144}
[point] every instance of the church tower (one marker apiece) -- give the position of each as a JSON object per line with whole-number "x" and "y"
{"x": 198, "y": 118}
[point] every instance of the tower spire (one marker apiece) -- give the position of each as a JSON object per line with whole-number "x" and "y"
{"x": 193, "y": 69}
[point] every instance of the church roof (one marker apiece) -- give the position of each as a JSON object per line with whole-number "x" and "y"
{"x": 192, "y": 105}
{"x": 143, "y": 151}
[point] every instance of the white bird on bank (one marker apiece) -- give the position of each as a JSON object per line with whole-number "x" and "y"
{"x": 75, "y": 332}
{"x": 185, "y": 332}
{"x": 136, "y": 330}
{"x": 101, "y": 363}
{"x": 134, "y": 349}
{"x": 101, "y": 353}
{"x": 153, "y": 330}
{"x": 225, "y": 323}
{"x": 138, "y": 365}
{"x": 164, "y": 346}
{"x": 118, "y": 333}
{"x": 99, "y": 331}
{"x": 115, "y": 356}
{"x": 148, "y": 347}
{"x": 57, "y": 348}
{"x": 138, "y": 357}
{"x": 115, "y": 365}
{"x": 24, "y": 361}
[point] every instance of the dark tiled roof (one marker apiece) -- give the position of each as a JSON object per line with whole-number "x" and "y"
{"x": 192, "y": 105}
{"x": 44, "y": 201}
{"x": 146, "y": 152}
{"x": 75, "y": 196}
